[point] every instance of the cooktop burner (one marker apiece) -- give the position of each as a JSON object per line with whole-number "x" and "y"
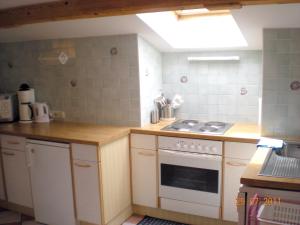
{"x": 190, "y": 122}
{"x": 215, "y": 124}
{"x": 208, "y": 129}
{"x": 195, "y": 126}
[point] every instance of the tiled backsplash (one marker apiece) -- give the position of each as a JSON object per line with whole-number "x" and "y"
{"x": 150, "y": 67}
{"x": 281, "y": 105}
{"x": 106, "y": 80}
{"x": 225, "y": 91}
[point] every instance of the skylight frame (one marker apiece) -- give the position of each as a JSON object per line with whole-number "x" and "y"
{"x": 214, "y": 31}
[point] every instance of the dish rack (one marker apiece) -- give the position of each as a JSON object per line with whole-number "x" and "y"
{"x": 283, "y": 213}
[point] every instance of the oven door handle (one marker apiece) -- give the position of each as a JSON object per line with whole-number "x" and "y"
{"x": 190, "y": 155}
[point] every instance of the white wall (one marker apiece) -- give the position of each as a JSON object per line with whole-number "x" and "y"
{"x": 150, "y": 75}
{"x": 281, "y": 105}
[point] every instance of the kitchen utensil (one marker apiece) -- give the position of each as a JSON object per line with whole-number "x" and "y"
{"x": 154, "y": 116}
{"x": 41, "y": 112}
{"x": 168, "y": 112}
{"x": 177, "y": 101}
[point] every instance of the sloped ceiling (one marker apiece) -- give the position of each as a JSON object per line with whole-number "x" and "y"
{"x": 5, "y": 4}
{"x": 251, "y": 20}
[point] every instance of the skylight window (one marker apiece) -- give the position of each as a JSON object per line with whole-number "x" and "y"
{"x": 199, "y": 30}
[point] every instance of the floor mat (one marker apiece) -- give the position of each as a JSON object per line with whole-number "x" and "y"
{"x": 7, "y": 217}
{"x": 154, "y": 221}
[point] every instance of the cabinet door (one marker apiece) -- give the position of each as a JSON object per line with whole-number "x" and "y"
{"x": 87, "y": 193}
{"x": 239, "y": 150}
{"x": 144, "y": 177}
{"x": 51, "y": 179}
{"x": 234, "y": 169}
{"x": 17, "y": 177}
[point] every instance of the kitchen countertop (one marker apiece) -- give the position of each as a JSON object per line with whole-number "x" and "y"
{"x": 239, "y": 132}
{"x": 250, "y": 176}
{"x": 66, "y": 132}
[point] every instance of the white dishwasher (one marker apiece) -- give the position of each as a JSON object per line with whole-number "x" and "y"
{"x": 51, "y": 178}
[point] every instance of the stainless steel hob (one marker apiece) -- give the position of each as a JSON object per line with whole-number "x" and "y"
{"x": 195, "y": 126}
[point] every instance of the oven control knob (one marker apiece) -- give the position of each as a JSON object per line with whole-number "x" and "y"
{"x": 213, "y": 150}
{"x": 185, "y": 146}
{"x": 192, "y": 146}
{"x": 207, "y": 149}
{"x": 178, "y": 145}
{"x": 199, "y": 147}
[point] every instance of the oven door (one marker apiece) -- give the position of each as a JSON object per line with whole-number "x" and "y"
{"x": 190, "y": 177}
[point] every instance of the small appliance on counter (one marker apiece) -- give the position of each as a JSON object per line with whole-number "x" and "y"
{"x": 26, "y": 99}
{"x": 41, "y": 112}
{"x": 8, "y": 107}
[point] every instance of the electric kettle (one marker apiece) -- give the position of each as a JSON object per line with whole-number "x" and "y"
{"x": 40, "y": 112}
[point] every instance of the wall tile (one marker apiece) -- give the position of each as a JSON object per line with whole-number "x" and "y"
{"x": 107, "y": 86}
{"x": 281, "y": 105}
{"x": 216, "y": 95}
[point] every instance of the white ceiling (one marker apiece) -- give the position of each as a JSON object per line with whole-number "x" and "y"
{"x": 250, "y": 19}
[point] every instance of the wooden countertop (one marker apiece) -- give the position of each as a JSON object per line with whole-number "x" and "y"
{"x": 248, "y": 133}
{"x": 66, "y": 132}
{"x": 250, "y": 176}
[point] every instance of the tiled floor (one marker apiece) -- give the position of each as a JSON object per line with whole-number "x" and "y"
{"x": 133, "y": 220}
{"x": 12, "y": 218}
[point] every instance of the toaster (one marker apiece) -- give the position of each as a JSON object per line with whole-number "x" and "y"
{"x": 8, "y": 107}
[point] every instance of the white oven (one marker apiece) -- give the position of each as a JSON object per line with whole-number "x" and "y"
{"x": 190, "y": 174}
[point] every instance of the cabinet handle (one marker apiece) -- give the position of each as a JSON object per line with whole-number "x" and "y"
{"x": 146, "y": 154}
{"x": 29, "y": 151}
{"x": 8, "y": 153}
{"x": 13, "y": 142}
{"x": 236, "y": 164}
{"x": 82, "y": 165}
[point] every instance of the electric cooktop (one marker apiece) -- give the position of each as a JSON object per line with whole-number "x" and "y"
{"x": 195, "y": 126}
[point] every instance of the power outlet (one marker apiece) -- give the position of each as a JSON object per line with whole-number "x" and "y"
{"x": 58, "y": 115}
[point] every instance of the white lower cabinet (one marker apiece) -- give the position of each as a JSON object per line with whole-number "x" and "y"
{"x": 87, "y": 193}
{"x": 50, "y": 169}
{"x": 144, "y": 177}
{"x": 237, "y": 156}
{"x": 234, "y": 169}
{"x": 17, "y": 178}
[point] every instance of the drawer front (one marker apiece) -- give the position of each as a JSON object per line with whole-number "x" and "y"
{"x": 239, "y": 150}
{"x": 13, "y": 142}
{"x": 143, "y": 141}
{"x": 85, "y": 152}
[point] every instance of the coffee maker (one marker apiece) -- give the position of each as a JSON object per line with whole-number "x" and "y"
{"x": 26, "y": 99}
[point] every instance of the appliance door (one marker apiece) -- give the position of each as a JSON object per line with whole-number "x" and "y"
{"x": 190, "y": 177}
{"x": 51, "y": 181}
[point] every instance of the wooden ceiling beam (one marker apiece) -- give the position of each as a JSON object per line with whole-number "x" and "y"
{"x": 78, "y": 9}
